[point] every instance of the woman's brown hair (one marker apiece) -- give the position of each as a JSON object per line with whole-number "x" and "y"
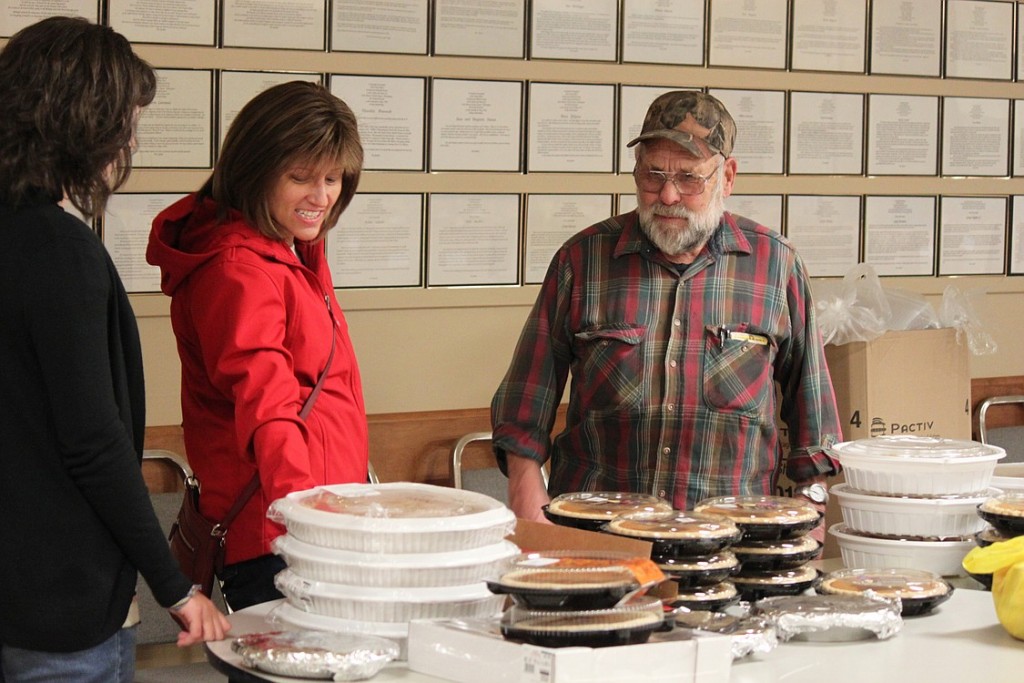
{"x": 292, "y": 123}
{"x": 70, "y": 92}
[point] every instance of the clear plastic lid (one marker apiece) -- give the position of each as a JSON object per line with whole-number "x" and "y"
{"x": 605, "y": 504}
{"x": 638, "y": 612}
{"x": 393, "y": 507}
{"x": 673, "y": 525}
{"x": 724, "y": 559}
{"x": 792, "y": 546}
{"x": 724, "y": 590}
{"x": 1010, "y": 504}
{"x": 888, "y": 582}
{"x": 759, "y": 509}
{"x": 927, "y": 448}
{"x": 782, "y": 577}
{"x": 556, "y": 569}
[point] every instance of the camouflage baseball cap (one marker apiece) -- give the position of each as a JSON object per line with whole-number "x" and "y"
{"x": 667, "y": 114}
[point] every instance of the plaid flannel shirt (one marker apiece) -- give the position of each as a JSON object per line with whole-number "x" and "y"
{"x": 673, "y": 376}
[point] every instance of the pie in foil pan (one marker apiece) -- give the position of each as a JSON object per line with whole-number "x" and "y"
{"x": 318, "y": 655}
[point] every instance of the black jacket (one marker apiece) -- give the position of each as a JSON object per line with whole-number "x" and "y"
{"x": 75, "y": 517}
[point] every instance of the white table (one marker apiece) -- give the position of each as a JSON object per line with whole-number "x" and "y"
{"x": 961, "y": 641}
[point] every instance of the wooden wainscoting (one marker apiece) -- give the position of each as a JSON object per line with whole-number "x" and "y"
{"x": 403, "y": 446}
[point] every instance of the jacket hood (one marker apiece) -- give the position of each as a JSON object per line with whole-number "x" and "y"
{"x": 189, "y": 233}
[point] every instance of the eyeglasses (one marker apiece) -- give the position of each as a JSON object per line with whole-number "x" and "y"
{"x": 649, "y": 180}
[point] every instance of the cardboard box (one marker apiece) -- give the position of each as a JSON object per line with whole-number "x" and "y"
{"x": 469, "y": 652}
{"x": 530, "y": 536}
{"x": 913, "y": 382}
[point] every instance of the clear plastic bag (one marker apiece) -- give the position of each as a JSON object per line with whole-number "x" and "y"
{"x": 853, "y": 309}
{"x": 958, "y": 311}
{"x": 857, "y": 308}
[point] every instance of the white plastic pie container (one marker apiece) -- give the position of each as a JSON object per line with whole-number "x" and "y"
{"x": 1009, "y": 477}
{"x": 923, "y": 518}
{"x": 941, "y": 557}
{"x": 917, "y": 465}
{"x": 399, "y": 517}
{"x": 409, "y": 570}
{"x": 362, "y": 603}
{"x": 290, "y": 615}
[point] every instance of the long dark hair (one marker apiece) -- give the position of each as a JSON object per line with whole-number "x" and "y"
{"x": 293, "y": 122}
{"x": 70, "y": 92}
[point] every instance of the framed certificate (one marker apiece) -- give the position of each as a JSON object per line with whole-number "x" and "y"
{"x": 760, "y": 117}
{"x": 551, "y": 219}
{"x": 398, "y": 26}
{"x": 571, "y": 127}
{"x": 829, "y": 35}
{"x": 391, "y": 111}
{"x": 766, "y": 209}
{"x": 475, "y": 125}
{"x": 176, "y": 130}
{"x": 748, "y": 34}
{"x": 493, "y": 29}
{"x": 238, "y": 87}
{"x": 17, "y": 14}
{"x": 979, "y": 39}
{"x": 899, "y": 234}
{"x": 574, "y": 30}
{"x": 906, "y": 37}
{"x": 660, "y": 32}
{"x": 473, "y": 239}
{"x": 126, "y": 224}
{"x": 975, "y": 136}
{"x": 903, "y": 134}
{"x": 184, "y": 22}
{"x": 295, "y": 25}
{"x": 972, "y": 235}
{"x": 378, "y": 242}
{"x": 826, "y": 133}
{"x": 825, "y": 229}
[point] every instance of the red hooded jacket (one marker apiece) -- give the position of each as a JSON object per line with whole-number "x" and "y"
{"x": 254, "y": 334}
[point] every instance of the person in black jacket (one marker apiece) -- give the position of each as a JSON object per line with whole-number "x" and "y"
{"x": 77, "y": 522}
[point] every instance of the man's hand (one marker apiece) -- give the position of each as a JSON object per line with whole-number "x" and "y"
{"x": 818, "y": 532}
{"x": 526, "y": 491}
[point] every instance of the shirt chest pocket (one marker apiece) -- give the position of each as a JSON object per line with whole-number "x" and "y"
{"x": 738, "y": 369}
{"x": 609, "y": 364}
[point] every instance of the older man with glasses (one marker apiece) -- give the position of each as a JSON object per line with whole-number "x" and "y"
{"x": 681, "y": 326}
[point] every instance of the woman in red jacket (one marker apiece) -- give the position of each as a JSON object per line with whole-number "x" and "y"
{"x": 256, "y": 320}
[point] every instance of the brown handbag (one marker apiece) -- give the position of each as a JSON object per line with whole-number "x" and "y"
{"x": 197, "y": 542}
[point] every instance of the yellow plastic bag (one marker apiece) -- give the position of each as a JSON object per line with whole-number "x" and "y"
{"x": 1005, "y": 562}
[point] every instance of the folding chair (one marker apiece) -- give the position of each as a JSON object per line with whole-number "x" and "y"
{"x": 1008, "y": 437}
{"x": 488, "y": 480}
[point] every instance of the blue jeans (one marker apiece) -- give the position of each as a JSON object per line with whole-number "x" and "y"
{"x": 112, "y": 661}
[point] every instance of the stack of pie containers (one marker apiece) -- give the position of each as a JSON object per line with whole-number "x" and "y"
{"x": 1003, "y": 514}
{"x": 775, "y": 546}
{"x": 368, "y": 558}
{"x": 911, "y": 501}
{"x": 579, "y": 598}
{"x": 692, "y": 549}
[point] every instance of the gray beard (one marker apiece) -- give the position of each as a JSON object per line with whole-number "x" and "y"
{"x": 673, "y": 241}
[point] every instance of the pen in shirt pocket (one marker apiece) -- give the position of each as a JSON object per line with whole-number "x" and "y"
{"x": 725, "y": 334}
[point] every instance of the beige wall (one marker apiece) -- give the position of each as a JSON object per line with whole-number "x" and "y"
{"x": 447, "y": 348}
{"x": 438, "y": 350}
